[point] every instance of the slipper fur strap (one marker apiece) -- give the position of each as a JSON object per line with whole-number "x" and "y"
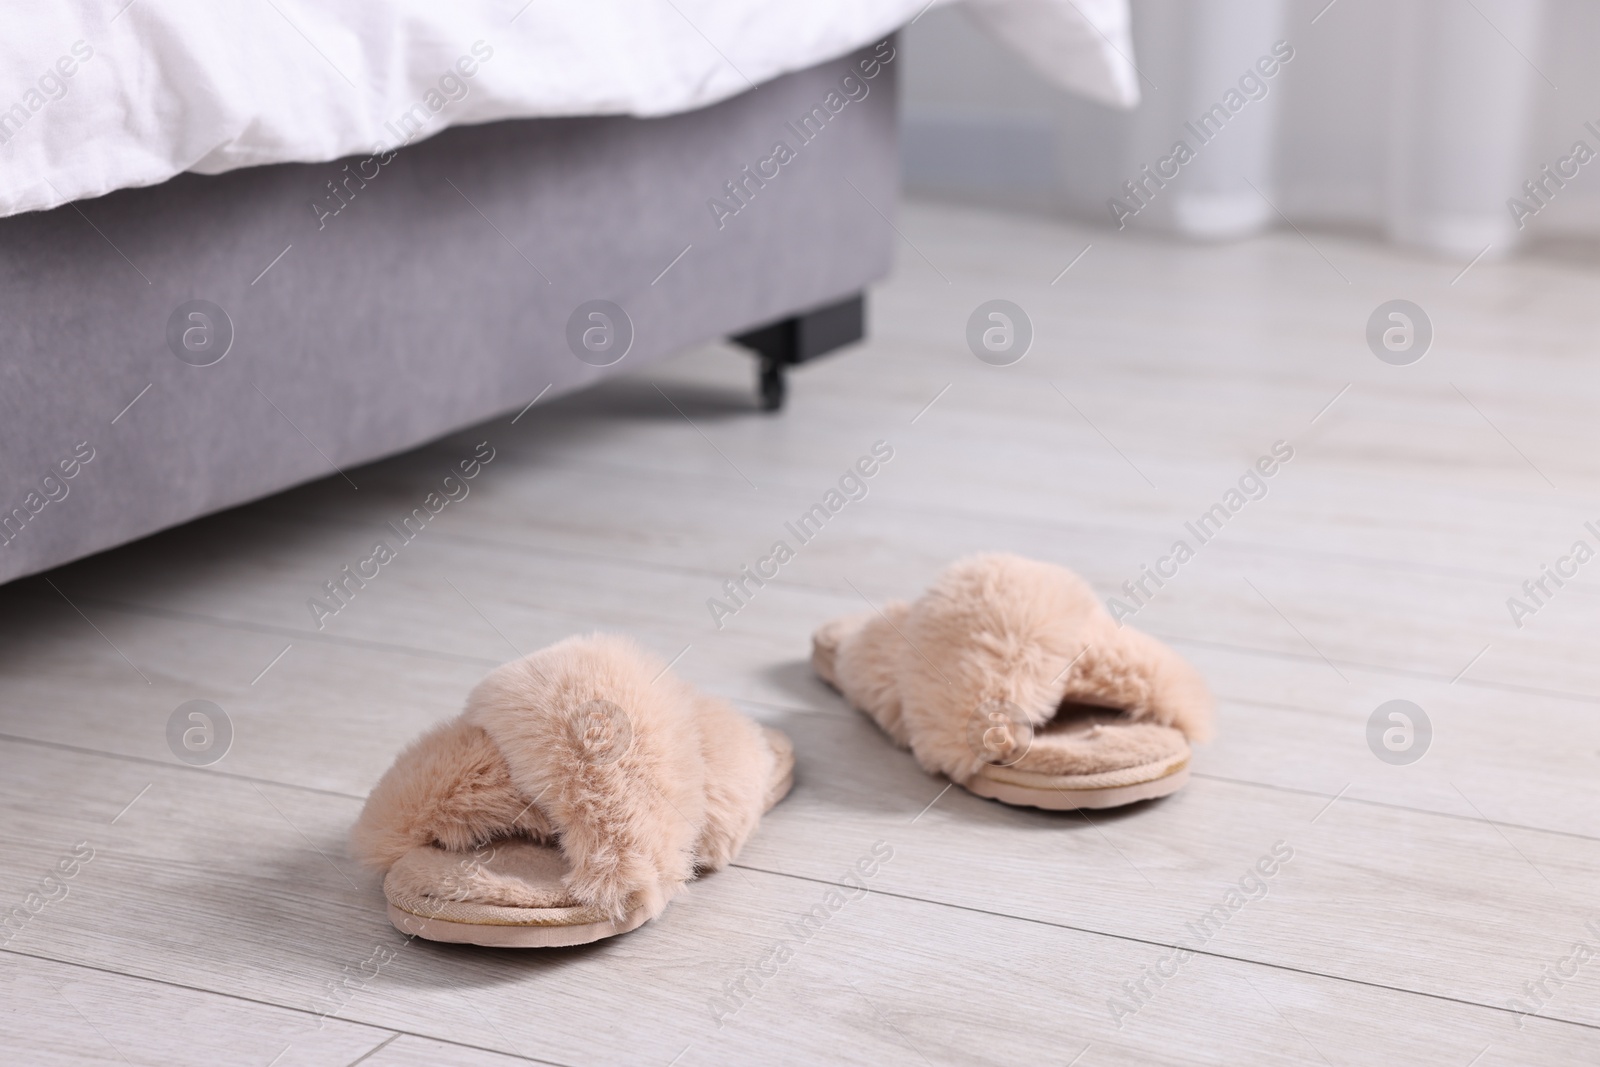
{"x": 998, "y": 638}
{"x": 593, "y": 745}
{"x": 612, "y": 759}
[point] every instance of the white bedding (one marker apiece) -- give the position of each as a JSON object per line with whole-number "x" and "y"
{"x": 103, "y": 97}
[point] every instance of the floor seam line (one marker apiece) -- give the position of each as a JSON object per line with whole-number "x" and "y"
{"x": 1163, "y": 944}
{"x": 274, "y": 1005}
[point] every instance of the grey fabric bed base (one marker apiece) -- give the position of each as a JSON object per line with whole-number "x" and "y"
{"x": 438, "y": 295}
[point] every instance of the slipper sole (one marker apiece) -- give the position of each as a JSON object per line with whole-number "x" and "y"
{"x": 1070, "y": 792}
{"x": 533, "y": 934}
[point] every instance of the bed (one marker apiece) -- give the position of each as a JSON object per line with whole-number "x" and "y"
{"x": 225, "y": 271}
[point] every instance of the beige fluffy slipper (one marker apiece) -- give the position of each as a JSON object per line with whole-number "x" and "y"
{"x": 1010, "y": 678}
{"x": 581, "y": 789}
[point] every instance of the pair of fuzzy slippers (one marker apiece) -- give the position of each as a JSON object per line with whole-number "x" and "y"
{"x": 586, "y": 784}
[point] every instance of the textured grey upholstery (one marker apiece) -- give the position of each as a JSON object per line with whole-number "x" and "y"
{"x": 437, "y": 296}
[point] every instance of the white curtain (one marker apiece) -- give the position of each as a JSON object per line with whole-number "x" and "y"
{"x": 1429, "y": 122}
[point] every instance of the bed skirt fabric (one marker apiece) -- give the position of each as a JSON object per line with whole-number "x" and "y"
{"x": 170, "y": 351}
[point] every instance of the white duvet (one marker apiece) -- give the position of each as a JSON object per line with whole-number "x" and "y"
{"x": 116, "y": 94}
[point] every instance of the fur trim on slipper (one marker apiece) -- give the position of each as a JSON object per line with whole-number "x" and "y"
{"x": 625, "y": 778}
{"x": 996, "y": 671}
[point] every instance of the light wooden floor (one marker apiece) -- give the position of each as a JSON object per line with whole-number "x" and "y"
{"x": 219, "y": 907}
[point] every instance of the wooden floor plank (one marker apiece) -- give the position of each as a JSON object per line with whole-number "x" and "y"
{"x": 63, "y": 1014}
{"x": 1425, "y": 622}
{"x": 411, "y": 1051}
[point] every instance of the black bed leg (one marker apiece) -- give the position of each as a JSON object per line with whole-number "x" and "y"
{"x": 771, "y": 383}
{"x": 782, "y": 344}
